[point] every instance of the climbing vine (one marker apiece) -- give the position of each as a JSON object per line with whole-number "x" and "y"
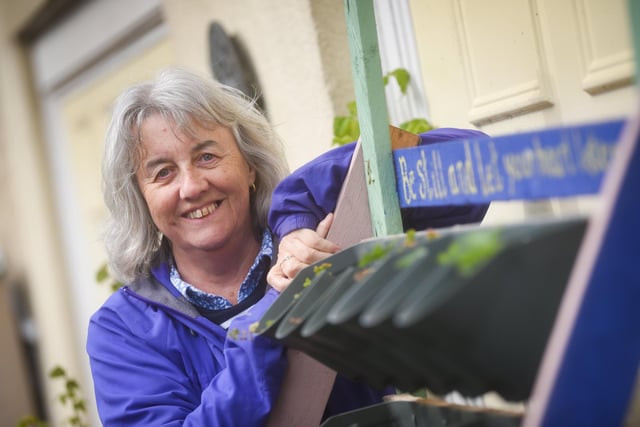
{"x": 346, "y": 129}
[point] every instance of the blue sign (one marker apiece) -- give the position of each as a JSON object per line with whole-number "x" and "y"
{"x": 534, "y": 165}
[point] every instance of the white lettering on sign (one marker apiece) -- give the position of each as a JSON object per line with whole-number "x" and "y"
{"x": 525, "y": 166}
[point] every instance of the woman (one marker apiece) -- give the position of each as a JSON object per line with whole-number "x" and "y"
{"x": 189, "y": 169}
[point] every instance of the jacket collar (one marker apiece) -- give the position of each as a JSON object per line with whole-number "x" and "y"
{"x": 155, "y": 291}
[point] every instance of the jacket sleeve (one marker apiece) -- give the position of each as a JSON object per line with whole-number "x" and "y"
{"x": 148, "y": 381}
{"x": 306, "y": 196}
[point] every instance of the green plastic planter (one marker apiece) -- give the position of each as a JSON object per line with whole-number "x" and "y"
{"x": 468, "y": 311}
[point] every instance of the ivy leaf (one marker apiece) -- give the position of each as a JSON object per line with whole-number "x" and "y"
{"x": 57, "y": 371}
{"x": 341, "y": 125}
{"x": 471, "y": 251}
{"x": 102, "y": 273}
{"x": 71, "y": 386}
{"x": 353, "y": 109}
{"x": 416, "y": 126}
{"x": 345, "y": 129}
{"x": 402, "y": 76}
{"x": 377, "y": 252}
{"x": 31, "y": 421}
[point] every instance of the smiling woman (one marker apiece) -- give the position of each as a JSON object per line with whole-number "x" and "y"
{"x": 189, "y": 169}
{"x": 197, "y": 189}
{"x": 188, "y": 172}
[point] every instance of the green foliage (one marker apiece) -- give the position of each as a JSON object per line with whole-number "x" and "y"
{"x": 317, "y": 269}
{"x": 102, "y": 276}
{"x": 416, "y": 126}
{"x": 377, "y": 252}
{"x": 31, "y": 421}
{"x": 70, "y": 397}
{"x": 471, "y": 251}
{"x": 410, "y": 238}
{"x": 402, "y": 77}
{"x": 307, "y": 282}
{"x": 346, "y": 129}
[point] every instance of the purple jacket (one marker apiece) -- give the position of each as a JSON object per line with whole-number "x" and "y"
{"x": 311, "y": 192}
{"x": 156, "y": 361}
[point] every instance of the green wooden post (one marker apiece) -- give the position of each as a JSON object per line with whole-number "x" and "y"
{"x": 372, "y": 114}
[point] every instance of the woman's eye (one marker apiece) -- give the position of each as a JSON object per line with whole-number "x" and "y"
{"x": 162, "y": 173}
{"x": 207, "y": 157}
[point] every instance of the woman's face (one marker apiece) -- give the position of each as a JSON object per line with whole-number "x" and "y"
{"x": 196, "y": 188}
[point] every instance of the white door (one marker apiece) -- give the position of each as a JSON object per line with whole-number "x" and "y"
{"x": 79, "y": 70}
{"x": 505, "y": 66}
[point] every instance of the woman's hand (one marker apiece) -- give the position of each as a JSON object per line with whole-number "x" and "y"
{"x": 299, "y": 249}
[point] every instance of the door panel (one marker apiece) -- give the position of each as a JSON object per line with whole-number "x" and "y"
{"x": 606, "y": 51}
{"x": 506, "y": 66}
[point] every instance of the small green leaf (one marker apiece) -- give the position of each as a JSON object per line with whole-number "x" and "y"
{"x": 353, "y": 109}
{"x": 410, "y": 238}
{"x": 403, "y": 78}
{"x": 57, "y": 371}
{"x": 340, "y": 125}
{"x": 102, "y": 274}
{"x": 416, "y": 126}
{"x": 72, "y": 385}
{"x": 31, "y": 421}
{"x": 319, "y": 268}
{"x": 341, "y": 140}
{"x": 345, "y": 130}
{"x": 470, "y": 251}
{"x": 376, "y": 253}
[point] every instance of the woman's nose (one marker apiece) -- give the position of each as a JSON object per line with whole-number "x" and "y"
{"x": 193, "y": 184}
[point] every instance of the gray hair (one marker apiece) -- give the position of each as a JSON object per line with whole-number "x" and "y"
{"x": 131, "y": 239}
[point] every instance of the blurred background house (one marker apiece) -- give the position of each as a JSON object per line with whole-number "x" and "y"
{"x": 497, "y": 65}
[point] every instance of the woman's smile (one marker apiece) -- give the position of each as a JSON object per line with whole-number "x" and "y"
{"x": 202, "y": 212}
{"x": 196, "y": 186}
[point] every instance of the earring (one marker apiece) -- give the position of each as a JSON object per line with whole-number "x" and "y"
{"x": 253, "y": 187}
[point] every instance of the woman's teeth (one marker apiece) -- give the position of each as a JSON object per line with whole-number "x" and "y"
{"x": 199, "y": 213}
